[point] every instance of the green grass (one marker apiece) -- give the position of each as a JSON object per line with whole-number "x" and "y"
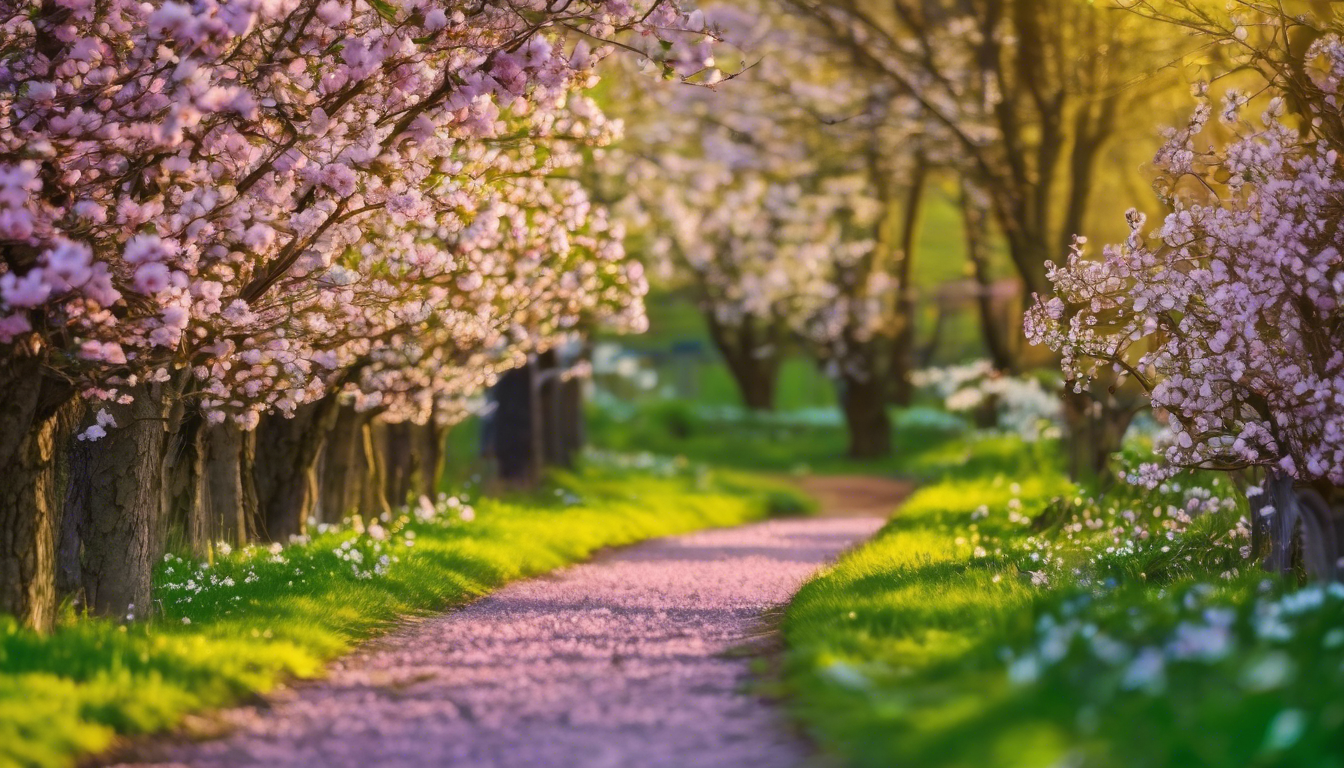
{"x": 1005, "y": 619}
{"x": 809, "y": 441}
{"x": 256, "y": 617}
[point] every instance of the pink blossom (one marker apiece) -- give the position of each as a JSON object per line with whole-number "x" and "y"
{"x": 12, "y": 326}
{"x": 69, "y": 265}
{"x": 152, "y": 277}
{"x": 264, "y": 230}
{"x": 30, "y": 290}
{"x": 144, "y": 248}
{"x": 333, "y": 12}
{"x": 108, "y": 352}
{"x": 1228, "y": 314}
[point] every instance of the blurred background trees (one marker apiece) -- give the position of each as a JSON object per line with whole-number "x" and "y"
{"x": 883, "y": 185}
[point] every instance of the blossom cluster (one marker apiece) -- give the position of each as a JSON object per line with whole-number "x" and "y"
{"x": 1229, "y": 313}
{"x": 768, "y": 195}
{"x": 1017, "y": 404}
{"x": 259, "y": 200}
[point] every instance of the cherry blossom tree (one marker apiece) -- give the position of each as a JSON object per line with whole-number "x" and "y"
{"x": 1228, "y": 313}
{"x": 784, "y": 206}
{"x": 710, "y": 196}
{"x": 234, "y": 208}
{"x": 1029, "y": 93}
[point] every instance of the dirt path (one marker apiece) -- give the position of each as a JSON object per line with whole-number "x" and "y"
{"x": 856, "y": 495}
{"x": 619, "y": 662}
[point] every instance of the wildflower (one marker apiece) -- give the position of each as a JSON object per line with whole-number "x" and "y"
{"x": 1024, "y": 670}
{"x": 1285, "y": 730}
{"x": 1147, "y": 672}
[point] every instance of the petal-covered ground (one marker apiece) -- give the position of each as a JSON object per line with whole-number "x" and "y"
{"x": 618, "y": 662}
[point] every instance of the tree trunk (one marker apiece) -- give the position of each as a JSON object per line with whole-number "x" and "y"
{"x": 757, "y": 379}
{"x": 929, "y": 350}
{"x": 122, "y": 479}
{"x": 548, "y": 398}
{"x": 73, "y": 508}
{"x": 247, "y": 473}
{"x": 393, "y": 441}
{"x": 902, "y": 361}
{"x": 1095, "y": 431}
{"x": 571, "y": 418}
{"x": 186, "y": 503}
{"x": 343, "y": 469}
{"x": 427, "y": 449}
{"x": 903, "y": 340}
{"x": 752, "y": 361}
{"x": 1301, "y": 535}
{"x": 373, "y": 498}
{"x": 517, "y": 433}
{"x": 993, "y": 329}
{"x": 1092, "y": 129}
{"x": 29, "y": 503}
{"x": 864, "y": 404}
{"x": 229, "y": 510}
{"x": 286, "y": 467}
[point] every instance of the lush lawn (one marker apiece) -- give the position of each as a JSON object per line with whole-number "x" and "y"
{"x": 811, "y": 440}
{"x": 254, "y": 618}
{"x": 1003, "y": 619}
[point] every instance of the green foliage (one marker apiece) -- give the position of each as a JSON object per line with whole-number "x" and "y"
{"x": 1005, "y": 619}
{"x": 252, "y": 618}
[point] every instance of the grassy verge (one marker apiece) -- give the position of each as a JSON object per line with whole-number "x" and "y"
{"x": 253, "y": 618}
{"x": 1006, "y": 619}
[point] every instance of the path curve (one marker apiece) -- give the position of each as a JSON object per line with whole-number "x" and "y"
{"x": 615, "y": 663}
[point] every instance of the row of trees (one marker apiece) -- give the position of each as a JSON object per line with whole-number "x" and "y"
{"x": 792, "y": 207}
{"x": 777, "y": 198}
{"x": 793, "y": 203}
{"x": 239, "y": 237}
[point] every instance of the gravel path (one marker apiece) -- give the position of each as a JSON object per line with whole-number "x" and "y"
{"x": 618, "y": 662}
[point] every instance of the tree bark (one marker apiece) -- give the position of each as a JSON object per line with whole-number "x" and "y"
{"x": 571, "y": 419}
{"x": 29, "y": 502}
{"x": 516, "y": 431}
{"x": 343, "y": 469}
{"x": 230, "y": 511}
{"x": 757, "y": 380}
{"x": 393, "y": 441}
{"x": 122, "y": 487}
{"x": 286, "y": 467}
{"x": 186, "y": 503}
{"x": 73, "y": 507}
{"x": 427, "y": 449}
{"x": 548, "y": 398}
{"x": 903, "y": 340}
{"x": 373, "y": 498}
{"x": 864, "y": 403}
{"x": 753, "y": 359}
{"x": 1095, "y": 431}
{"x": 247, "y": 472}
